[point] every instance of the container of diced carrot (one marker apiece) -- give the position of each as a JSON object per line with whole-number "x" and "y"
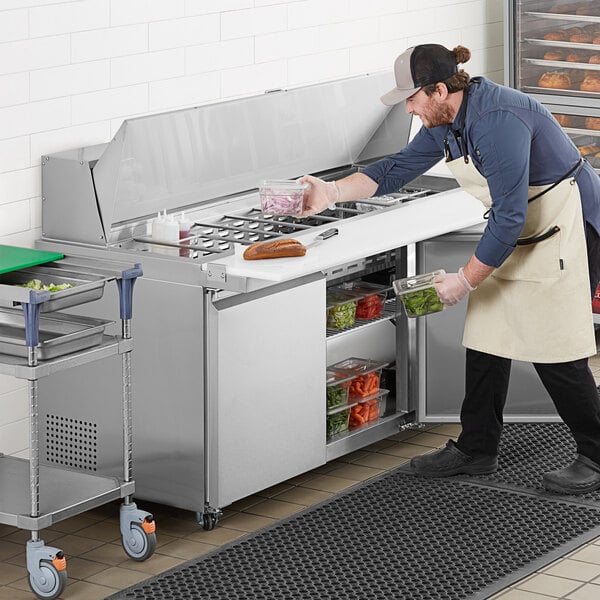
{"x": 368, "y": 410}
{"x": 366, "y": 375}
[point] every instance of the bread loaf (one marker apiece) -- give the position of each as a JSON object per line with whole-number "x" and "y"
{"x": 555, "y": 79}
{"x": 592, "y": 123}
{"x": 563, "y": 120}
{"x": 554, "y": 55}
{"x": 591, "y": 83}
{"x": 275, "y": 249}
{"x": 589, "y": 149}
{"x": 557, "y": 35}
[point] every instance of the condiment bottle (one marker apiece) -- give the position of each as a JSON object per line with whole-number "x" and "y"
{"x": 185, "y": 230}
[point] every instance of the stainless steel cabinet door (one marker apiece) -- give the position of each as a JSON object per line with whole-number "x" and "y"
{"x": 266, "y": 360}
{"x": 442, "y": 356}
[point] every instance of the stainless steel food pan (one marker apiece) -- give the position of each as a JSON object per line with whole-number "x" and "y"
{"x": 87, "y": 286}
{"x": 58, "y": 334}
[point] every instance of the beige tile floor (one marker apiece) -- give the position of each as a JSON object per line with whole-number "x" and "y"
{"x": 97, "y": 565}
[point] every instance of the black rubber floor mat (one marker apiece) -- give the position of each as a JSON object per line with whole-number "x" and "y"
{"x": 529, "y": 450}
{"x": 394, "y": 537}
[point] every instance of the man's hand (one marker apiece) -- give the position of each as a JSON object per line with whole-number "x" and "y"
{"x": 323, "y": 194}
{"x": 452, "y": 287}
{"x": 319, "y": 195}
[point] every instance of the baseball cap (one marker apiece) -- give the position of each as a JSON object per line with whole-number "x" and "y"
{"x": 417, "y": 67}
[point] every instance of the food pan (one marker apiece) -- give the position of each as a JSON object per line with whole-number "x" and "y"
{"x": 86, "y": 286}
{"x": 282, "y": 197}
{"x": 418, "y": 294}
{"x": 58, "y": 334}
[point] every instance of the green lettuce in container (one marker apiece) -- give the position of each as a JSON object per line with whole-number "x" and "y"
{"x": 418, "y": 294}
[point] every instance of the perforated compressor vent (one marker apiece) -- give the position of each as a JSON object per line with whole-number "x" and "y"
{"x": 71, "y": 442}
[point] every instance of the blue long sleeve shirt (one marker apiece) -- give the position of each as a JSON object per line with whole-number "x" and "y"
{"x": 514, "y": 142}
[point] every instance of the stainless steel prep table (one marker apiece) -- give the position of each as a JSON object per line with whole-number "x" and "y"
{"x": 231, "y": 355}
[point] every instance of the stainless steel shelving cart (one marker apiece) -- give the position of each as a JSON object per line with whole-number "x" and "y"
{"x": 36, "y": 341}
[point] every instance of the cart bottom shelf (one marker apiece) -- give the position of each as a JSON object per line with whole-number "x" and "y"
{"x": 63, "y": 493}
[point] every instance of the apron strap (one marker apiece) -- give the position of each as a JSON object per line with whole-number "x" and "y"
{"x": 576, "y": 169}
{"x": 459, "y": 134}
{"x": 578, "y": 166}
{"x": 538, "y": 238}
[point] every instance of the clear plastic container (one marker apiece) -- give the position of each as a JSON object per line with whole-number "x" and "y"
{"x": 366, "y": 376}
{"x": 341, "y": 308}
{"x": 338, "y": 419}
{"x": 372, "y": 301}
{"x": 368, "y": 410}
{"x": 281, "y": 197}
{"x": 338, "y": 384}
{"x": 418, "y": 294}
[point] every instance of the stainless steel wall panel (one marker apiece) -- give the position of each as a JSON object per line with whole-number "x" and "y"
{"x": 69, "y": 201}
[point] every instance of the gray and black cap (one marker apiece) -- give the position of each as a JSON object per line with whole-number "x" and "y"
{"x": 417, "y": 67}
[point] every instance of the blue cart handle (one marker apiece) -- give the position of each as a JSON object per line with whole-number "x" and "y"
{"x": 31, "y": 312}
{"x": 125, "y": 285}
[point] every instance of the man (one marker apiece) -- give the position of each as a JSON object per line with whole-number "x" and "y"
{"x": 532, "y": 275}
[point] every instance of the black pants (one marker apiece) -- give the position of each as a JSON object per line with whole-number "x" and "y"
{"x": 570, "y": 384}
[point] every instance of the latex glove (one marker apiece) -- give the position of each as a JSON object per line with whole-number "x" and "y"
{"x": 319, "y": 195}
{"x": 452, "y": 287}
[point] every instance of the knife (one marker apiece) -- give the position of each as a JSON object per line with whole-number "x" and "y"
{"x": 324, "y": 235}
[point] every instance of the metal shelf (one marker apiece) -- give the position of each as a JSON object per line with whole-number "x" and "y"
{"x": 350, "y": 441}
{"x": 388, "y": 313}
{"x": 17, "y": 366}
{"x": 86, "y": 491}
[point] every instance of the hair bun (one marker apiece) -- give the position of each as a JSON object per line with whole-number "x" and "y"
{"x": 462, "y": 54}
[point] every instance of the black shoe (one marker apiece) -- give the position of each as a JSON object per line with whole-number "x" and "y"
{"x": 451, "y": 461}
{"x": 580, "y": 477}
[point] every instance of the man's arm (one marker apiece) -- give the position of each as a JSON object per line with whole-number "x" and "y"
{"x": 320, "y": 194}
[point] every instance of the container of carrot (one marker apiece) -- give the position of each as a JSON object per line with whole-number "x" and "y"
{"x": 366, "y": 375}
{"x": 368, "y": 410}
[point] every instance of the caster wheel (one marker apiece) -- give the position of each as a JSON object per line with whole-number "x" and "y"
{"x": 139, "y": 545}
{"x": 209, "y": 521}
{"x": 51, "y": 584}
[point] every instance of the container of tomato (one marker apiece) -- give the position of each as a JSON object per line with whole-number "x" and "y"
{"x": 366, "y": 375}
{"x": 368, "y": 410}
{"x": 372, "y": 301}
{"x": 338, "y": 385}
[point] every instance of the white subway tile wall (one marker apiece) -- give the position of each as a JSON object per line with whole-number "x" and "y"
{"x": 72, "y": 70}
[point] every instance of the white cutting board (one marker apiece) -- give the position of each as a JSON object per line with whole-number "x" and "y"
{"x": 385, "y": 230}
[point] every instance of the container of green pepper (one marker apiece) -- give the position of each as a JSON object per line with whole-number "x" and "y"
{"x": 338, "y": 419}
{"x": 341, "y": 308}
{"x": 418, "y": 294}
{"x": 338, "y": 385}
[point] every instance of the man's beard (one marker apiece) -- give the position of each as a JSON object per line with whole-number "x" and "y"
{"x": 442, "y": 115}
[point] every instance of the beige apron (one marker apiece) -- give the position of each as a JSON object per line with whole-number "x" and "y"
{"x": 535, "y": 307}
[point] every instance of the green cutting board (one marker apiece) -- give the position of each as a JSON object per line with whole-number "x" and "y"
{"x": 13, "y": 258}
